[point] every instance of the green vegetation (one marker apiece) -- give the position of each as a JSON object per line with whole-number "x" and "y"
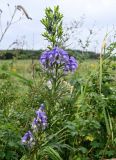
{"x": 80, "y": 106}
{"x": 88, "y": 124}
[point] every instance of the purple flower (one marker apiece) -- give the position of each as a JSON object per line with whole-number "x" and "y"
{"x": 72, "y": 65}
{"x": 35, "y": 125}
{"x": 41, "y": 116}
{"x": 27, "y": 138}
{"x": 60, "y": 57}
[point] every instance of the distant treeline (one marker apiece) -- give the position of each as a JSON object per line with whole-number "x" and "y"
{"x": 35, "y": 54}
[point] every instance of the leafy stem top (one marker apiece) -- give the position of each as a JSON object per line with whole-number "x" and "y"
{"x": 53, "y": 26}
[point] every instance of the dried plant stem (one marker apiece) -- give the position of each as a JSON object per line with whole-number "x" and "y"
{"x": 0, "y": 24}
{"x": 20, "y": 8}
{"x": 101, "y": 60}
{"x": 8, "y": 25}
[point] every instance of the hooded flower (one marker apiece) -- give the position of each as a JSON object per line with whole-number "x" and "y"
{"x": 27, "y": 138}
{"x": 41, "y": 116}
{"x": 71, "y": 65}
{"x": 60, "y": 57}
{"x": 39, "y": 122}
{"x": 35, "y": 125}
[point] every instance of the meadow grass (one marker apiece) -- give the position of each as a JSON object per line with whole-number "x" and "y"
{"x": 24, "y": 67}
{"x": 85, "y": 102}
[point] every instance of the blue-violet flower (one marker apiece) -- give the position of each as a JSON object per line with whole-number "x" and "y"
{"x": 27, "y": 138}
{"x": 58, "y": 57}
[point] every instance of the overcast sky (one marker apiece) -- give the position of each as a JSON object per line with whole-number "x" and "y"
{"x": 98, "y": 13}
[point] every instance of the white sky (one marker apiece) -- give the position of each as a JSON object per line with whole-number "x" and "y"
{"x": 101, "y": 13}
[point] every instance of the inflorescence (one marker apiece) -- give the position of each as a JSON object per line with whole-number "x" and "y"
{"x": 57, "y": 56}
{"x": 52, "y": 60}
{"x": 39, "y": 123}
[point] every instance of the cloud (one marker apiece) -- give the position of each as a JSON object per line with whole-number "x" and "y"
{"x": 100, "y": 12}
